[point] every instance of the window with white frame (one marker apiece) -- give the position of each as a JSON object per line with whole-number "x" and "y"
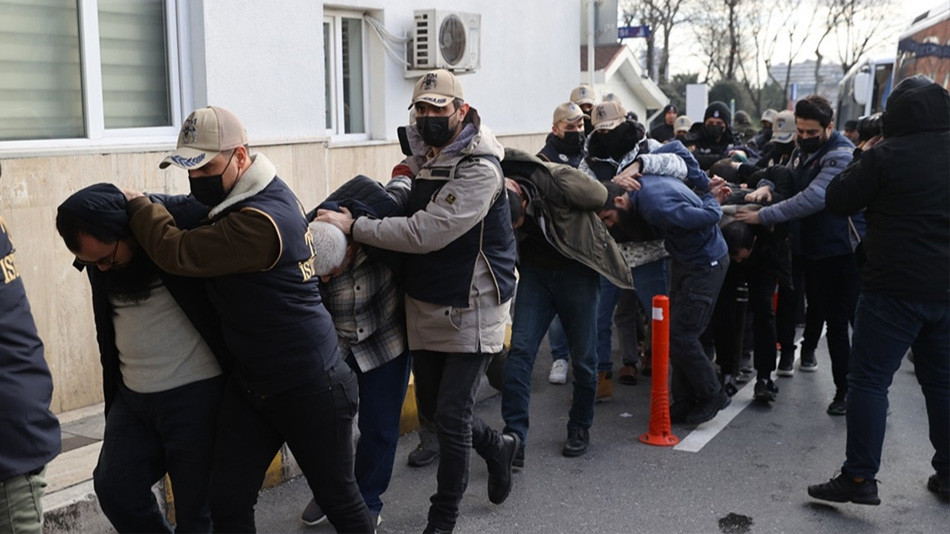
{"x": 88, "y": 69}
{"x": 345, "y": 79}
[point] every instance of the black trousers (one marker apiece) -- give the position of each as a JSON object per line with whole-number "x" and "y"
{"x": 316, "y": 422}
{"x": 725, "y": 322}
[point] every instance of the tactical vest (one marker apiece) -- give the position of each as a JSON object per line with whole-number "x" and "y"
{"x": 444, "y": 276}
{"x": 30, "y": 430}
{"x": 274, "y": 321}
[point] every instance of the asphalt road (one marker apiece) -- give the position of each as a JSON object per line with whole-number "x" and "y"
{"x": 747, "y": 474}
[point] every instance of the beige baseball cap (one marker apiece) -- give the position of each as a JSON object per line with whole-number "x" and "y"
{"x": 438, "y": 88}
{"x": 682, "y": 124}
{"x": 607, "y": 115}
{"x": 206, "y": 133}
{"x": 569, "y": 112}
{"x": 783, "y": 129}
{"x": 584, "y": 94}
{"x": 769, "y": 116}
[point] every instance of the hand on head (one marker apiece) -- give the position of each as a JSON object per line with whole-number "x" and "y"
{"x": 341, "y": 219}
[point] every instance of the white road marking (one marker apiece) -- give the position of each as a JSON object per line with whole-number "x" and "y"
{"x": 704, "y": 433}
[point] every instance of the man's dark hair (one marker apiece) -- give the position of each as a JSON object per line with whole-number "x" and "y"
{"x": 613, "y": 191}
{"x": 738, "y": 235}
{"x": 814, "y": 107}
{"x": 724, "y": 169}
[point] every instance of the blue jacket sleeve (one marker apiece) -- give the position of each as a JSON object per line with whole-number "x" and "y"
{"x": 811, "y": 200}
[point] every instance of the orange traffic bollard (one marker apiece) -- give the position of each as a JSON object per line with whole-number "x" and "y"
{"x": 660, "y": 433}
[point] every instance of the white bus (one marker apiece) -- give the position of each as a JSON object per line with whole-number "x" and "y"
{"x": 864, "y": 89}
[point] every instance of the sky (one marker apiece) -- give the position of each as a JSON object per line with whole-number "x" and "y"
{"x": 684, "y": 57}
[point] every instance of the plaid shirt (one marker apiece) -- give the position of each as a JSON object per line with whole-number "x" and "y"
{"x": 368, "y": 312}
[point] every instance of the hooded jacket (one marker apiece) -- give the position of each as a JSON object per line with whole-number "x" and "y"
{"x": 904, "y": 185}
{"x": 565, "y": 204}
{"x": 705, "y": 149}
{"x": 189, "y": 293}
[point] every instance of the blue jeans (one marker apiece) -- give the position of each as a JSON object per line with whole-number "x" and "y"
{"x": 446, "y": 384}
{"x": 147, "y": 435}
{"x": 650, "y": 279}
{"x": 884, "y": 328}
{"x": 560, "y": 350}
{"x": 571, "y": 293}
{"x": 382, "y": 391}
{"x": 693, "y": 293}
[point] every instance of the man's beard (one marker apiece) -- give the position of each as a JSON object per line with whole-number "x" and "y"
{"x": 134, "y": 280}
{"x": 632, "y": 227}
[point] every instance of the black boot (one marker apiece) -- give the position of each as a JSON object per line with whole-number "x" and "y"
{"x": 499, "y": 461}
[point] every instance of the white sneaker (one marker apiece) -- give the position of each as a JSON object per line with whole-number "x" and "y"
{"x": 558, "y": 372}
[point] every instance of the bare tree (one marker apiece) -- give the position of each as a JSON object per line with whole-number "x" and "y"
{"x": 793, "y": 36}
{"x": 662, "y": 16}
{"x": 768, "y": 30}
{"x": 863, "y": 24}
{"x": 717, "y": 28}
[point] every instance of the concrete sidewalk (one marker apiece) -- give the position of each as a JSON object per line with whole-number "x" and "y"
{"x": 70, "y": 503}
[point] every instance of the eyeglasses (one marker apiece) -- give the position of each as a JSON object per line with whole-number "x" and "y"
{"x": 102, "y": 263}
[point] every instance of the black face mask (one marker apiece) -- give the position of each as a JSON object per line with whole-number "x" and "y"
{"x": 618, "y": 142}
{"x": 588, "y": 125}
{"x": 574, "y": 139}
{"x": 811, "y": 144}
{"x": 714, "y": 132}
{"x": 209, "y": 190}
{"x": 435, "y": 131}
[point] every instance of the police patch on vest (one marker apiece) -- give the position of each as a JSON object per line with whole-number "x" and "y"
{"x": 450, "y": 198}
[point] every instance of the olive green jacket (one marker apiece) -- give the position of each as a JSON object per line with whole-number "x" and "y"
{"x": 565, "y": 205}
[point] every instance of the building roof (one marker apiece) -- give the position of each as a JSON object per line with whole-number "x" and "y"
{"x": 603, "y": 55}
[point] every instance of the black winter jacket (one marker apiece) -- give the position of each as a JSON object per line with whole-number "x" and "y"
{"x": 904, "y": 185}
{"x": 189, "y": 293}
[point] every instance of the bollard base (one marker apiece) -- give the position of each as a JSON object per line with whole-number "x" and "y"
{"x": 659, "y": 440}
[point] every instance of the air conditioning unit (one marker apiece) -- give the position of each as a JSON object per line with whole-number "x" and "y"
{"x": 446, "y": 40}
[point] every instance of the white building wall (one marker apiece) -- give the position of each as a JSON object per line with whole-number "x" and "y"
{"x": 264, "y": 60}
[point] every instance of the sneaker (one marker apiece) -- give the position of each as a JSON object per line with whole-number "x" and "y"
{"x": 312, "y": 515}
{"x": 786, "y": 365}
{"x": 605, "y": 388}
{"x": 518, "y": 463}
{"x": 745, "y": 375}
{"x": 427, "y": 450}
{"x": 706, "y": 409}
{"x": 628, "y": 375}
{"x": 940, "y": 486}
{"x": 577, "y": 441}
{"x": 838, "y": 407}
{"x": 729, "y": 385}
{"x": 745, "y": 365}
{"x": 808, "y": 364}
{"x": 499, "y": 464}
{"x": 765, "y": 390}
{"x": 845, "y": 489}
{"x": 558, "y": 373}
